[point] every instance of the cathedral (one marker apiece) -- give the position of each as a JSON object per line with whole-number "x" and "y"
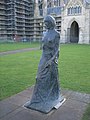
{"x": 75, "y": 19}
{"x": 22, "y": 20}
{"x": 75, "y": 25}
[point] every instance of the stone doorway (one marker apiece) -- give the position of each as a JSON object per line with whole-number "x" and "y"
{"x": 74, "y": 32}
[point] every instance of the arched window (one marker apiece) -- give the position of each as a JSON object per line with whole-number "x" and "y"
{"x": 55, "y": 2}
{"x": 79, "y": 9}
{"x": 74, "y": 10}
{"x": 68, "y": 11}
{"x": 48, "y": 4}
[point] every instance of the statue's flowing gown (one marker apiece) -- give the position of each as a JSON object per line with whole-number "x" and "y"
{"x": 46, "y": 91}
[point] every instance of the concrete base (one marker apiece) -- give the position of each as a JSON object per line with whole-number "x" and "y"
{"x": 59, "y": 104}
{"x": 56, "y": 106}
{"x": 72, "y": 109}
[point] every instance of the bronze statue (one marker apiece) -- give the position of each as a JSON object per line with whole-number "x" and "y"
{"x": 46, "y": 91}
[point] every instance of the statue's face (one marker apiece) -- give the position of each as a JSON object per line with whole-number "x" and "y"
{"x": 49, "y": 22}
{"x": 47, "y": 25}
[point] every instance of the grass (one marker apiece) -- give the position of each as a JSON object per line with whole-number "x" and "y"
{"x": 18, "y": 71}
{"x": 74, "y": 67}
{"x": 18, "y": 45}
{"x": 86, "y": 115}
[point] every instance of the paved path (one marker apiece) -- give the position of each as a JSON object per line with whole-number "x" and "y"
{"x": 17, "y": 51}
{"x": 73, "y": 109}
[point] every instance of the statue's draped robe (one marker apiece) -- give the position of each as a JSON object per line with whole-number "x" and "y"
{"x": 46, "y": 91}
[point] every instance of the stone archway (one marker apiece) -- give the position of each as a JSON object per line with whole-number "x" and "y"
{"x": 74, "y": 32}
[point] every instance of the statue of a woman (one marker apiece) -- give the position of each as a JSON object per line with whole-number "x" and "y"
{"x": 46, "y": 93}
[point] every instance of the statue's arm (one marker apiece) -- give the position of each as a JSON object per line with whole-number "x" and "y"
{"x": 56, "y": 48}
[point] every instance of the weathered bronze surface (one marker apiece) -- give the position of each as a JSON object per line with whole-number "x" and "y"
{"x": 46, "y": 93}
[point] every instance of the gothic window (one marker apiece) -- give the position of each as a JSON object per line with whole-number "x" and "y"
{"x": 49, "y": 4}
{"x": 69, "y": 11}
{"x": 74, "y": 10}
{"x": 57, "y": 2}
{"x": 79, "y": 9}
{"x": 40, "y": 4}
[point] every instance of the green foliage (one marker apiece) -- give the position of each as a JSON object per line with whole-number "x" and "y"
{"x": 18, "y": 71}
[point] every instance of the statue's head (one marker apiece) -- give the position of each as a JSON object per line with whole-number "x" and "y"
{"x": 50, "y": 22}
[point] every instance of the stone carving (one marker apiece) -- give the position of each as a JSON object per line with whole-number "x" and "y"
{"x": 46, "y": 92}
{"x": 74, "y": 3}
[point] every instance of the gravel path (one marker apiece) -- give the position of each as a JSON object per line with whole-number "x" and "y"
{"x": 18, "y": 51}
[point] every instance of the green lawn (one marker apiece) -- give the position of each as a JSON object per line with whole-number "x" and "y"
{"x": 74, "y": 67}
{"x": 86, "y": 115}
{"x": 18, "y": 45}
{"x": 18, "y": 71}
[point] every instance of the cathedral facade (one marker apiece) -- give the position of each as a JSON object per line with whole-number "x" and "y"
{"x": 75, "y": 19}
{"x": 75, "y": 23}
{"x": 23, "y": 19}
